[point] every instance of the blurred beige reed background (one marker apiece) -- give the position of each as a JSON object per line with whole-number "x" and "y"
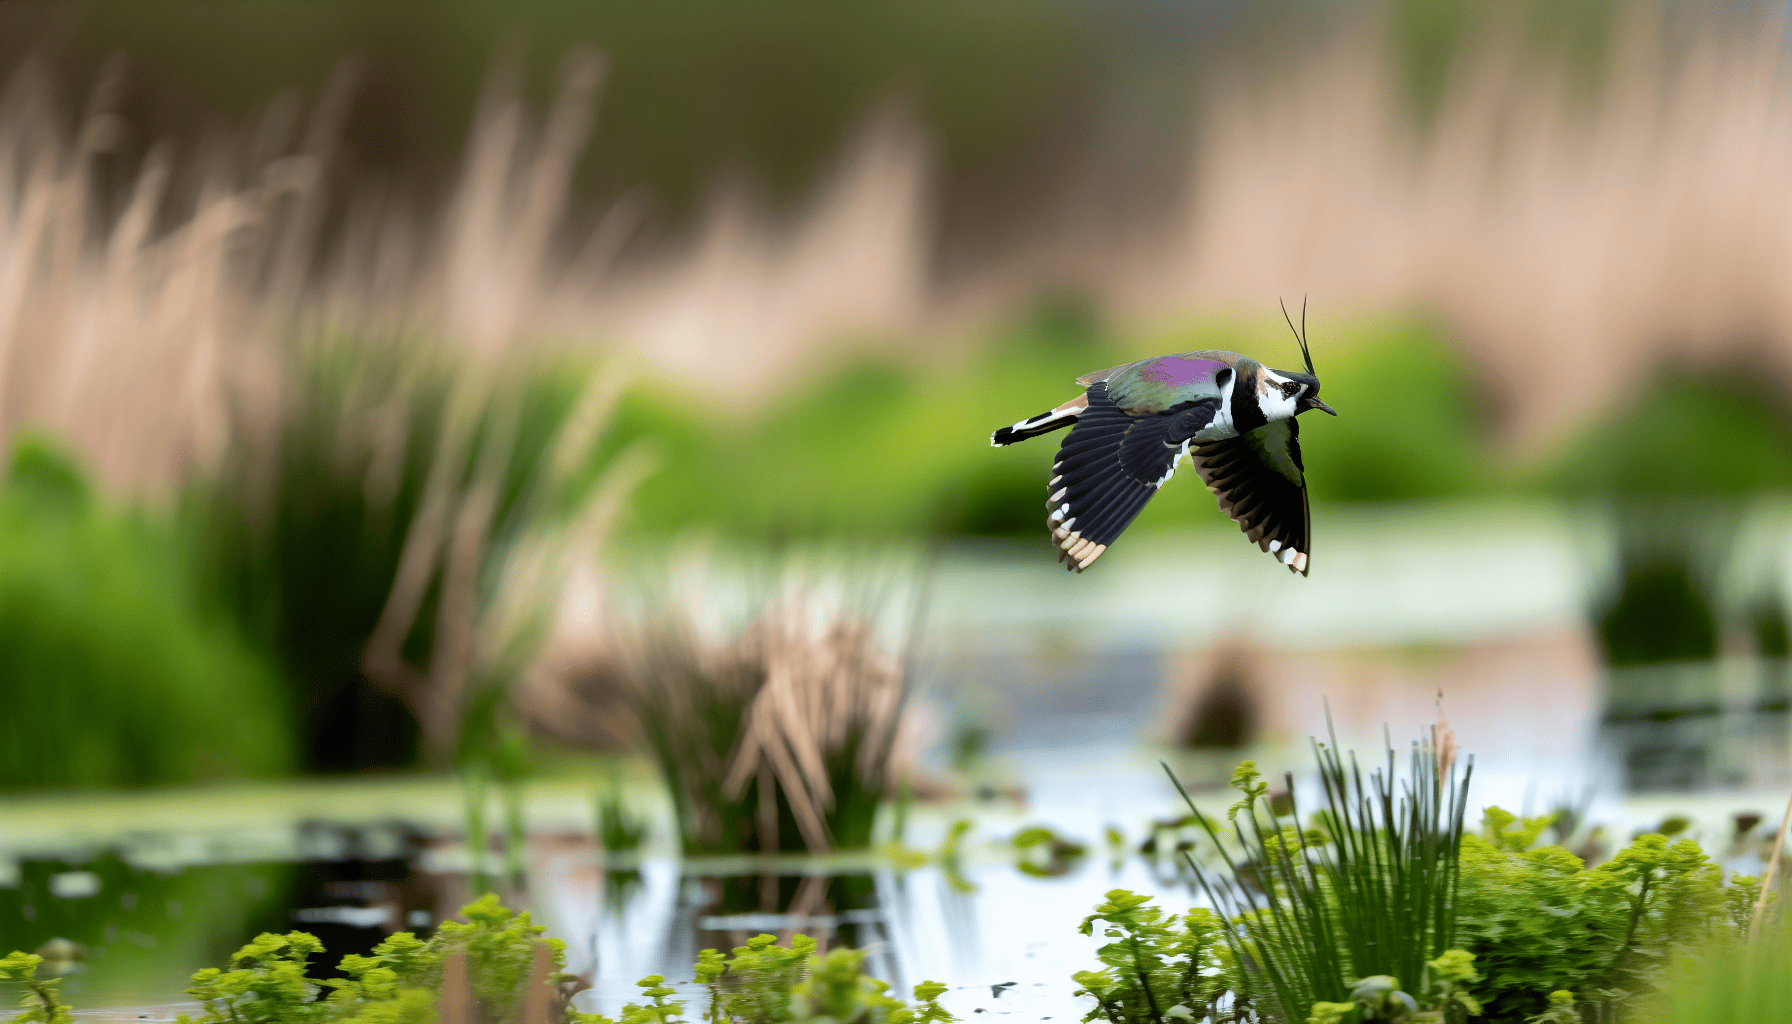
{"x": 1567, "y": 237}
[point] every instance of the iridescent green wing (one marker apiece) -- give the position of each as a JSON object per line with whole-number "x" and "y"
{"x": 1153, "y": 385}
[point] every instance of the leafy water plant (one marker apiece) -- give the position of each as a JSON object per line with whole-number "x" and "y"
{"x": 1044, "y": 853}
{"x": 266, "y": 981}
{"x": 765, "y": 983}
{"x": 1157, "y": 967}
{"x": 1367, "y": 889}
{"x": 1541, "y": 922}
{"x": 42, "y": 1002}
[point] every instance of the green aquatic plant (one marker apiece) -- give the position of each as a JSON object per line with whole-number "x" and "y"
{"x": 1046, "y": 854}
{"x": 1156, "y": 968}
{"x": 765, "y": 983}
{"x": 1159, "y": 969}
{"x": 1368, "y": 890}
{"x": 1539, "y": 921}
{"x": 951, "y": 855}
{"x": 42, "y": 1002}
{"x": 267, "y": 980}
{"x": 265, "y": 984}
{"x": 657, "y": 1010}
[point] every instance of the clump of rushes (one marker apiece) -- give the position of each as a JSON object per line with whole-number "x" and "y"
{"x": 765, "y": 983}
{"x": 1369, "y": 889}
{"x": 780, "y": 738}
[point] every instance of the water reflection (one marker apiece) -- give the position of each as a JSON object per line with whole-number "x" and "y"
{"x": 1700, "y": 726}
{"x": 136, "y": 926}
{"x": 1006, "y": 926}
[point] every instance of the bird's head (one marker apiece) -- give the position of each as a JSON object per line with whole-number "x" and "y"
{"x": 1284, "y": 394}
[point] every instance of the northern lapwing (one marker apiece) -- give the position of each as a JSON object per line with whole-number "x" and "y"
{"x": 1233, "y": 416}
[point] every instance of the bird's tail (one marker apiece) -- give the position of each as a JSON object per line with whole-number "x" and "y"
{"x": 1044, "y": 423}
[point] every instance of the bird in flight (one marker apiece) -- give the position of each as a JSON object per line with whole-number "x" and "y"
{"x": 1231, "y": 415}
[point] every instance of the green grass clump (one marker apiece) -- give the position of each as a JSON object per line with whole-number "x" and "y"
{"x": 301, "y": 531}
{"x": 110, "y": 672}
{"x": 1367, "y": 889}
{"x": 1160, "y": 969}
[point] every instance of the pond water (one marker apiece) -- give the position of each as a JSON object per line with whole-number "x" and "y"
{"x": 1003, "y": 939}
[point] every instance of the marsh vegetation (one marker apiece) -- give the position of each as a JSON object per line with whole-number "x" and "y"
{"x": 391, "y": 537}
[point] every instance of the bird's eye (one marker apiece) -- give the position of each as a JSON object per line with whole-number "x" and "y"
{"x": 1290, "y": 388}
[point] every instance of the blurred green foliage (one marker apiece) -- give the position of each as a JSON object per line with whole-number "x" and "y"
{"x": 293, "y": 545}
{"x": 1724, "y": 431}
{"x": 1673, "y": 465}
{"x": 1664, "y": 607}
{"x": 1728, "y": 979}
{"x": 111, "y": 673}
{"x": 300, "y": 536}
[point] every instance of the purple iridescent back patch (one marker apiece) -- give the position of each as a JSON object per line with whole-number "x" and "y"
{"x": 1176, "y": 371}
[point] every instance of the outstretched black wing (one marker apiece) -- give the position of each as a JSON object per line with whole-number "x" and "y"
{"x": 1262, "y": 484}
{"x": 1109, "y": 466}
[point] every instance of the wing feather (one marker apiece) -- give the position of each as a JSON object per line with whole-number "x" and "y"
{"x": 1109, "y": 467}
{"x": 1261, "y": 483}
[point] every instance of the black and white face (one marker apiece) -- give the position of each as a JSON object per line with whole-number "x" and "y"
{"x": 1282, "y": 394}
{"x": 1279, "y": 393}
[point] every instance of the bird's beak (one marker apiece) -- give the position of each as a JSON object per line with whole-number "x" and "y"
{"x": 1314, "y": 403}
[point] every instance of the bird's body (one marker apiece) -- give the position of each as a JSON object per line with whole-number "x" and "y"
{"x": 1133, "y": 424}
